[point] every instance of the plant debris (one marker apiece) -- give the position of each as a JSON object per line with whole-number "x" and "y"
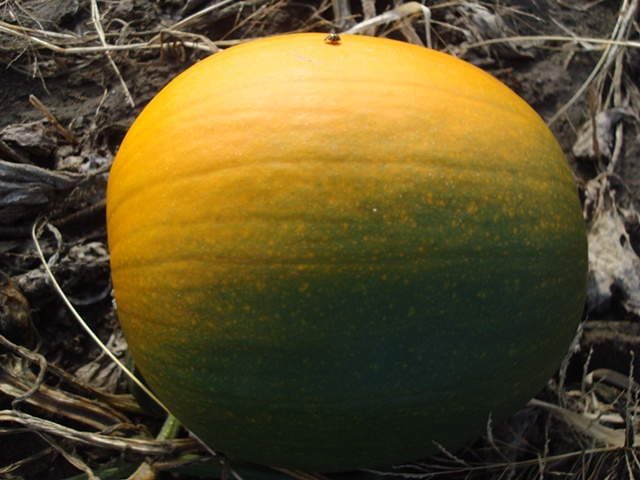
{"x": 75, "y": 75}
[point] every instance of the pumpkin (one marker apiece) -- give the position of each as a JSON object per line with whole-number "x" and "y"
{"x": 342, "y": 254}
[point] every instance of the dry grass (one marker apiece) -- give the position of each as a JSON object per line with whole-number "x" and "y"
{"x": 586, "y": 430}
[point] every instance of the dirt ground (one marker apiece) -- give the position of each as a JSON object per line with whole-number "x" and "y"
{"x": 67, "y": 105}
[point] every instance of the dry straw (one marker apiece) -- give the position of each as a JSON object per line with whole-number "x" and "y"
{"x": 602, "y": 434}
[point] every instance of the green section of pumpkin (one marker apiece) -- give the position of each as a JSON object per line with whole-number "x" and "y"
{"x": 326, "y": 289}
{"x": 360, "y": 363}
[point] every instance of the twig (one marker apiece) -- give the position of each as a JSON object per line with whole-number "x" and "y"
{"x": 620, "y": 31}
{"x": 556, "y": 38}
{"x": 6, "y": 470}
{"x": 445, "y": 471}
{"x": 631, "y": 403}
{"x": 19, "y": 382}
{"x": 579, "y": 7}
{"x": 22, "y": 33}
{"x": 8, "y": 27}
{"x": 145, "y": 447}
{"x": 341, "y": 13}
{"x": 33, "y": 100}
{"x": 300, "y": 475}
{"x": 586, "y": 46}
{"x": 72, "y": 458}
{"x": 191, "y": 18}
{"x": 594, "y": 73}
{"x": 588, "y": 426}
{"x": 33, "y": 357}
{"x": 8, "y": 153}
{"x": 95, "y": 18}
{"x": 169, "y": 430}
{"x": 368, "y": 9}
{"x": 123, "y": 402}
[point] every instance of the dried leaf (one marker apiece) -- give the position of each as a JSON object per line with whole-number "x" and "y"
{"x": 101, "y": 372}
{"x": 614, "y": 265}
{"x": 29, "y": 140}
{"x": 588, "y": 426}
{"x": 484, "y": 24}
{"x": 144, "y": 446}
{"x": 27, "y": 189}
{"x": 15, "y": 314}
{"x": 605, "y": 125}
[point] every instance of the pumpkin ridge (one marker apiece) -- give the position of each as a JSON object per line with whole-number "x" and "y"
{"x": 437, "y": 173}
{"x": 401, "y": 260}
{"x": 334, "y": 89}
{"x": 402, "y": 165}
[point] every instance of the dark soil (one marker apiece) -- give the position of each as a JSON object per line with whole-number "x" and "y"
{"x": 84, "y": 95}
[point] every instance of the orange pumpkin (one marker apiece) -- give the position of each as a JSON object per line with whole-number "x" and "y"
{"x": 328, "y": 256}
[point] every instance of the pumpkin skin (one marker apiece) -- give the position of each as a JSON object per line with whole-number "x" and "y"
{"x": 336, "y": 256}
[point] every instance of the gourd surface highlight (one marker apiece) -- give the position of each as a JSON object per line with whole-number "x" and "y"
{"x": 334, "y": 256}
